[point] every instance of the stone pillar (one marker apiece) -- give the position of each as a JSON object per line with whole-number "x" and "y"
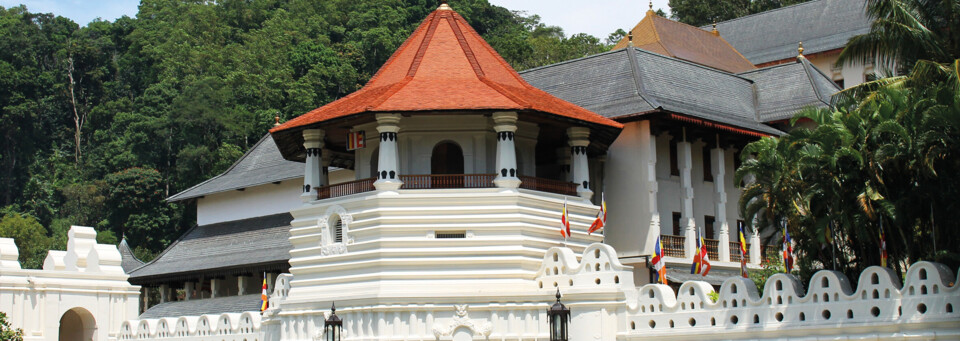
{"x": 579, "y": 140}
{"x": 188, "y": 290}
{"x": 756, "y": 250}
{"x": 388, "y": 177}
{"x": 720, "y": 198}
{"x": 687, "y": 221}
{"x": 271, "y": 278}
{"x": 648, "y": 145}
{"x": 313, "y": 142}
{"x": 164, "y": 293}
{"x": 242, "y": 283}
{"x": 505, "y": 124}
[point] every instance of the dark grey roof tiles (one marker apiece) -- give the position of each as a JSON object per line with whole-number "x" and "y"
{"x": 784, "y": 89}
{"x": 219, "y": 305}
{"x": 262, "y": 164}
{"x": 127, "y": 260}
{"x": 715, "y": 277}
{"x": 236, "y": 244}
{"x": 821, "y": 25}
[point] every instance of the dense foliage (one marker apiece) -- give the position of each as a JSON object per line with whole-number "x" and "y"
{"x": 705, "y": 12}
{"x": 98, "y": 124}
{"x": 7, "y": 332}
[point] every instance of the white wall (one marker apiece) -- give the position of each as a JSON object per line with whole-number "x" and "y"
{"x": 258, "y": 201}
{"x": 852, "y": 74}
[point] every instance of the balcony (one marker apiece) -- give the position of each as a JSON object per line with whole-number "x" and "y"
{"x": 440, "y": 181}
{"x": 672, "y": 245}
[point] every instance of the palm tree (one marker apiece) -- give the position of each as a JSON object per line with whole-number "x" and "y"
{"x": 904, "y": 32}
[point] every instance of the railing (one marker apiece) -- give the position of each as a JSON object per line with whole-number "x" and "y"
{"x": 346, "y": 188}
{"x": 429, "y": 181}
{"x": 735, "y": 251}
{"x": 713, "y": 249}
{"x": 548, "y": 185}
{"x": 672, "y": 245}
{"x": 773, "y": 252}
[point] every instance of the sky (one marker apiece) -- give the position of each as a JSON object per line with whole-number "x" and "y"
{"x": 595, "y": 17}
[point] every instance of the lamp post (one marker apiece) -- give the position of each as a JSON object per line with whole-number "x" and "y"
{"x": 333, "y": 326}
{"x": 559, "y": 316}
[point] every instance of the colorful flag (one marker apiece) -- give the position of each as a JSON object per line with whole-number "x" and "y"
{"x": 695, "y": 267}
{"x": 657, "y": 262}
{"x": 356, "y": 140}
{"x": 743, "y": 254}
{"x": 883, "y": 246}
{"x": 264, "y": 300}
{"x": 704, "y": 258}
{"x": 787, "y": 250}
{"x": 565, "y": 221}
{"x": 601, "y": 220}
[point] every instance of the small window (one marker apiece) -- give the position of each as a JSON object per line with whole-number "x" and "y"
{"x": 708, "y": 227}
{"x": 676, "y": 223}
{"x": 707, "y": 164}
{"x": 674, "y": 165}
{"x": 839, "y": 82}
{"x": 338, "y": 231}
{"x": 451, "y": 234}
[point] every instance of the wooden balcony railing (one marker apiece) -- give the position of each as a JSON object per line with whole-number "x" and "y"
{"x": 672, "y": 245}
{"x": 346, "y": 188}
{"x": 432, "y": 181}
{"x": 713, "y": 250}
{"x": 429, "y": 181}
{"x": 548, "y": 185}
{"x": 774, "y": 252}
{"x": 735, "y": 251}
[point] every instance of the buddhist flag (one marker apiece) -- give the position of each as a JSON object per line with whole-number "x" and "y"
{"x": 565, "y": 221}
{"x": 704, "y": 257}
{"x": 356, "y": 140}
{"x": 601, "y": 220}
{"x": 264, "y": 300}
{"x": 883, "y": 246}
{"x": 787, "y": 250}
{"x": 743, "y": 254}
{"x": 658, "y": 263}
{"x": 695, "y": 267}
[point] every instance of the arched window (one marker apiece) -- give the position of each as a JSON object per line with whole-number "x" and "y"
{"x": 336, "y": 228}
{"x": 447, "y": 158}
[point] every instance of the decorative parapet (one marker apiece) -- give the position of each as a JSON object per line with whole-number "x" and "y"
{"x": 233, "y": 326}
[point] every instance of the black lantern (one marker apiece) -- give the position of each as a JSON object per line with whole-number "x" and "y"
{"x": 559, "y": 316}
{"x": 333, "y": 326}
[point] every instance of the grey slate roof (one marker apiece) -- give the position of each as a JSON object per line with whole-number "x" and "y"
{"x": 821, "y": 25}
{"x": 127, "y": 260}
{"x": 254, "y": 244}
{"x": 262, "y": 164}
{"x": 714, "y": 277}
{"x": 783, "y": 88}
{"x": 219, "y": 305}
{"x": 633, "y": 81}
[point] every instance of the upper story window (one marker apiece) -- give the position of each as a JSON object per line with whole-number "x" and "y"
{"x": 707, "y": 164}
{"x": 447, "y": 158}
{"x": 674, "y": 165}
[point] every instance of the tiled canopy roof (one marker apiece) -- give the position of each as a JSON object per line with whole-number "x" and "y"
{"x": 675, "y": 39}
{"x": 783, "y": 89}
{"x": 821, "y": 25}
{"x": 195, "y": 307}
{"x": 128, "y": 261}
{"x": 443, "y": 66}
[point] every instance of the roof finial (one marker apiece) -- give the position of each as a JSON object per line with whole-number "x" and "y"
{"x": 650, "y": 11}
{"x": 444, "y": 5}
{"x": 276, "y": 121}
{"x": 651, "y": 8}
{"x": 800, "y": 49}
{"x": 715, "y": 32}
{"x": 630, "y": 38}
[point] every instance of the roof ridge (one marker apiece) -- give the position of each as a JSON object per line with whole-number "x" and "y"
{"x": 234, "y": 165}
{"x": 695, "y": 64}
{"x": 169, "y": 247}
{"x": 392, "y": 57}
{"x": 770, "y": 11}
{"x": 467, "y": 51}
{"x": 574, "y": 60}
{"x": 816, "y": 88}
{"x": 496, "y": 55}
{"x": 635, "y": 71}
{"x": 421, "y": 50}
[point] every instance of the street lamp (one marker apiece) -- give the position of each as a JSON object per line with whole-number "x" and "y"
{"x": 333, "y": 326}
{"x": 559, "y": 316}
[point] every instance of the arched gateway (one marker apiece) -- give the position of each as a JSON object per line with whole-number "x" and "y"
{"x": 77, "y": 324}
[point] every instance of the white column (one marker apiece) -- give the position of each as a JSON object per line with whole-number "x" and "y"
{"x": 648, "y": 145}
{"x": 325, "y": 158}
{"x": 188, "y": 288}
{"x": 215, "y": 287}
{"x": 313, "y": 142}
{"x": 164, "y": 293}
{"x": 579, "y": 140}
{"x": 388, "y": 177}
{"x": 242, "y": 284}
{"x": 505, "y": 124}
{"x": 719, "y": 183}
{"x": 687, "y": 221}
{"x": 756, "y": 251}
{"x": 271, "y": 278}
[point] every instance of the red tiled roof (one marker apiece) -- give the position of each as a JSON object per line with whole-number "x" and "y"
{"x": 675, "y": 39}
{"x": 446, "y": 65}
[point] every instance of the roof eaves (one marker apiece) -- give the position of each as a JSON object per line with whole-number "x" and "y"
{"x": 176, "y": 197}
{"x": 737, "y": 75}
{"x": 635, "y": 70}
{"x": 806, "y": 69}
{"x": 170, "y": 247}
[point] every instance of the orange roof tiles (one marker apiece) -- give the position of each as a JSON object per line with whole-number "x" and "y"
{"x": 675, "y": 39}
{"x": 445, "y": 65}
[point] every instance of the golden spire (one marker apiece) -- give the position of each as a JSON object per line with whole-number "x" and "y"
{"x": 630, "y": 38}
{"x": 715, "y": 32}
{"x": 800, "y": 49}
{"x": 650, "y": 11}
{"x": 276, "y": 121}
{"x": 444, "y": 5}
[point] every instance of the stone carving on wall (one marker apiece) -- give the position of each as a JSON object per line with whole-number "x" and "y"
{"x": 461, "y": 319}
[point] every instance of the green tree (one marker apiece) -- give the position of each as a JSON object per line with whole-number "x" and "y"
{"x": 7, "y": 332}
{"x": 705, "y": 12}
{"x": 905, "y": 32}
{"x": 30, "y": 237}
